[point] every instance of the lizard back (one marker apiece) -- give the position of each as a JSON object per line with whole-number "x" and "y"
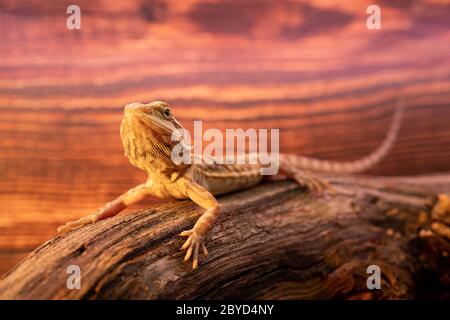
{"x": 224, "y": 178}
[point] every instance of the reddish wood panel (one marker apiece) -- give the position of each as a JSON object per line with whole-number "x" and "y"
{"x": 310, "y": 68}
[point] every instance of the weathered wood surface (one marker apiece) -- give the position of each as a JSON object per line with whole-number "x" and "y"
{"x": 310, "y": 68}
{"x": 271, "y": 242}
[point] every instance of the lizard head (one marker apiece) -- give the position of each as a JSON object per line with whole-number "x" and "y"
{"x": 155, "y": 113}
{"x": 147, "y": 132}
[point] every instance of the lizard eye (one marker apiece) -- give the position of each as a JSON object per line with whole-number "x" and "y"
{"x": 166, "y": 113}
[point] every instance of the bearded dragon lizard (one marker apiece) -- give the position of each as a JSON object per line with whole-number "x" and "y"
{"x": 146, "y": 132}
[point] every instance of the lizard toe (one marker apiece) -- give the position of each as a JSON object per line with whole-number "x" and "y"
{"x": 192, "y": 247}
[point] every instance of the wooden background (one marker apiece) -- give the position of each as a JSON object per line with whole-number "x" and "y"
{"x": 310, "y": 68}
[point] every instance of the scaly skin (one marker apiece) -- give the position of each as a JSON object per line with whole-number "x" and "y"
{"x": 146, "y": 132}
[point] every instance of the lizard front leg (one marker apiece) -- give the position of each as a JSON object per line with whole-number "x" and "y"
{"x": 204, "y": 224}
{"x": 111, "y": 208}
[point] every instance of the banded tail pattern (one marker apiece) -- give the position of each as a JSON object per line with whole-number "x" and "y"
{"x": 298, "y": 162}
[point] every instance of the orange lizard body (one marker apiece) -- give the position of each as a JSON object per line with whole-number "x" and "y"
{"x": 146, "y": 133}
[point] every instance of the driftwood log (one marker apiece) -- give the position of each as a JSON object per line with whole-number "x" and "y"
{"x": 272, "y": 242}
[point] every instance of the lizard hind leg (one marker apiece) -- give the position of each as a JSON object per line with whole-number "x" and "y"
{"x": 309, "y": 180}
{"x": 110, "y": 209}
{"x": 313, "y": 182}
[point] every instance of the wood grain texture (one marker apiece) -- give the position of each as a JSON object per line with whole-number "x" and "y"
{"x": 273, "y": 241}
{"x": 310, "y": 68}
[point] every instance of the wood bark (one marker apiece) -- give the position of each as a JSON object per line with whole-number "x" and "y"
{"x": 274, "y": 241}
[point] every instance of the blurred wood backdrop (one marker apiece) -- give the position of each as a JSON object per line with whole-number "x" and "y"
{"x": 310, "y": 68}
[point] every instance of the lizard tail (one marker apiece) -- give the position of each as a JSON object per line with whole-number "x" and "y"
{"x": 305, "y": 163}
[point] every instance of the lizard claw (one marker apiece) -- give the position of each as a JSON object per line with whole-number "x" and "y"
{"x": 193, "y": 244}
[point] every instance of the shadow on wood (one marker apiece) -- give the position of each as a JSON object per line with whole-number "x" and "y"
{"x": 271, "y": 242}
